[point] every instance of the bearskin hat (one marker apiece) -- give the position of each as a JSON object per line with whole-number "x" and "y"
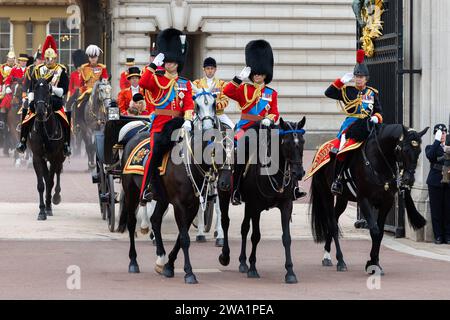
{"x": 259, "y": 57}
{"x": 173, "y": 44}
{"x": 79, "y": 58}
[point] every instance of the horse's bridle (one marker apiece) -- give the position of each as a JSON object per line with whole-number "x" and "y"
{"x": 205, "y": 93}
{"x": 287, "y": 172}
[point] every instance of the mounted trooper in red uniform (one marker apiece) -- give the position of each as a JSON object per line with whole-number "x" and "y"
{"x": 170, "y": 95}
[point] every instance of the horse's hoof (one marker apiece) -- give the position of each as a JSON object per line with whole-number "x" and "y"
{"x": 253, "y": 274}
{"x": 290, "y": 278}
{"x": 49, "y": 212}
{"x": 168, "y": 271}
{"x": 200, "y": 239}
{"x": 159, "y": 269}
{"x": 145, "y": 230}
{"x": 190, "y": 279}
{"x": 56, "y": 199}
{"x": 243, "y": 268}
{"x": 133, "y": 268}
{"x": 224, "y": 260}
{"x": 327, "y": 263}
{"x": 374, "y": 269}
{"x": 341, "y": 267}
{"x": 42, "y": 216}
{"x": 219, "y": 242}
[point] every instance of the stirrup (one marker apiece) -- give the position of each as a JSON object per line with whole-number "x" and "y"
{"x": 67, "y": 150}
{"x": 147, "y": 196}
{"x": 21, "y": 147}
{"x": 299, "y": 193}
{"x": 337, "y": 187}
{"x": 236, "y": 198}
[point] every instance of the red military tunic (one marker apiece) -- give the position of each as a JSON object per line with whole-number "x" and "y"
{"x": 124, "y": 82}
{"x": 16, "y": 75}
{"x": 74, "y": 83}
{"x": 170, "y": 97}
{"x": 255, "y": 102}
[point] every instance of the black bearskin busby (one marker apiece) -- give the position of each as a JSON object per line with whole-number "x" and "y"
{"x": 173, "y": 44}
{"x": 79, "y": 58}
{"x": 259, "y": 57}
{"x": 360, "y": 68}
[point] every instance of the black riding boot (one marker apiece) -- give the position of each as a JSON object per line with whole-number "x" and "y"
{"x": 147, "y": 194}
{"x": 3, "y": 129}
{"x": 24, "y": 130}
{"x": 338, "y": 187}
{"x": 298, "y": 193}
{"x": 237, "y": 176}
{"x": 67, "y": 150}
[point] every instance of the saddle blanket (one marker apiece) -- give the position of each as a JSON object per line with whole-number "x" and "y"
{"x": 30, "y": 115}
{"x": 138, "y": 157}
{"x": 322, "y": 156}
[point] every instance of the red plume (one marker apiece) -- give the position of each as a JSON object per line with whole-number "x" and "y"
{"x": 49, "y": 43}
{"x": 360, "y": 56}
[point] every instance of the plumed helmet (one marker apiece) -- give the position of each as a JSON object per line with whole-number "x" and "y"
{"x": 11, "y": 54}
{"x": 259, "y": 57}
{"x": 360, "y": 68}
{"x": 173, "y": 44}
{"x": 49, "y": 49}
{"x": 79, "y": 58}
{"x": 93, "y": 51}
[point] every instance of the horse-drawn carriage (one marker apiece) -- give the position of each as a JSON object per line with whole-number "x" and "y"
{"x": 108, "y": 146}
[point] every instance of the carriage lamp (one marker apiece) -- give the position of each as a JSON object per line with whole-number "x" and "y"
{"x": 113, "y": 113}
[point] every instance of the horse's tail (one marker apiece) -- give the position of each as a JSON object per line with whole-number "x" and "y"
{"x": 414, "y": 217}
{"x": 321, "y": 207}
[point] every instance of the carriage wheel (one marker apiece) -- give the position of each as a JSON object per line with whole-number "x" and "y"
{"x": 208, "y": 215}
{"x": 111, "y": 204}
{"x": 101, "y": 186}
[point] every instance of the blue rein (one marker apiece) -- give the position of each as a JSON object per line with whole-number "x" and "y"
{"x": 285, "y": 132}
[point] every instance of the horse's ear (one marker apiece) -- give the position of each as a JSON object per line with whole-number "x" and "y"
{"x": 282, "y": 124}
{"x": 405, "y": 131}
{"x": 423, "y": 132}
{"x": 302, "y": 122}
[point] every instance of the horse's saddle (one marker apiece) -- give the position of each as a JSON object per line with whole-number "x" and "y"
{"x": 322, "y": 156}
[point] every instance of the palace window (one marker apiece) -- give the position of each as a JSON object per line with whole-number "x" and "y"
{"x": 5, "y": 38}
{"x": 29, "y": 38}
{"x": 68, "y": 40}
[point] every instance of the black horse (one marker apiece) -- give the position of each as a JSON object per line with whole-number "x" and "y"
{"x": 262, "y": 191}
{"x": 382, "y": 166}
{"x": 178, "y": 187}
{"x": 47, "y": 143}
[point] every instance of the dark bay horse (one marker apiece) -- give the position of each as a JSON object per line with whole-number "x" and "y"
{"x": 262, "y": 190}
{"x": 382, "y": 166}
{"x": 181, "y": 186}
{"x": 47, "y": 143}
{"x": 90, "y": 116}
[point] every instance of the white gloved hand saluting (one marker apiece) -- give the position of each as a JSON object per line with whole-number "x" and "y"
{"x": 57, "y": 91}
{"x": 374, "y": 119}
{"x": 347, "y": 78}
{"x": 244, "y": 73}
{"x": 159, "y": 59}
{"x": 187, "y": 125}
{"x": 438, "y": 135}
{"x": 266, "y": 122}
{"x": 8, "y": 90}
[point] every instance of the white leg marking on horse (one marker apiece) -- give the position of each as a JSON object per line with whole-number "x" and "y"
{"x": 326, "y": 255}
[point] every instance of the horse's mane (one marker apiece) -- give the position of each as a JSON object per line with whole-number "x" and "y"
{"x": 95, "y": 91}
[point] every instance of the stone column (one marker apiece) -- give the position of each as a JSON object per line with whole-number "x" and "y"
{"x": 39, "y": 34}
{"x": 19, "y": 37}
{"x": 433, "y": 105}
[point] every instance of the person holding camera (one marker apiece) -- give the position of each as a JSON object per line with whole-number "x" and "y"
{"x": 438, "y": 189}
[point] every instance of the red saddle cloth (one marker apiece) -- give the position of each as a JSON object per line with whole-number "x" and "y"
{"x": 322, "y": 156}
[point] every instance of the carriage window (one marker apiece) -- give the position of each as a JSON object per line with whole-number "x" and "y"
{"x": 29, "y": 38}
{"x": 68, "y": 40}
{"x": 5, "y": 38}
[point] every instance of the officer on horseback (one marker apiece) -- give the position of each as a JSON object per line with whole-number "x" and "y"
{"x": 56, "y": 75}
{"x": 92, "y": 71}
{"x": 357, "y": 102}
{"x": 214, "y": 85}
{"x": 170, "y": 95}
